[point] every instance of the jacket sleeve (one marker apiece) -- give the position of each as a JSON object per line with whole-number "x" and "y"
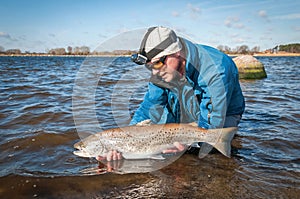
{"x": 152, "y": 106}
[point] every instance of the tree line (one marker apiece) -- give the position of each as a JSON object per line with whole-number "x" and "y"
{"x": 291, "y": 48}
{"x": 244, "y": 49}
{"x": 78, "y": 50}
{"x": 85, "y": 50}
{"x": 82, "y": 50}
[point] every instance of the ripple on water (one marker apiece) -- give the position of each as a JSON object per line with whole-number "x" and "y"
{"x": 38, "y": 132}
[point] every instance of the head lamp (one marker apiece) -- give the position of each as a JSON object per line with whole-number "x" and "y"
{"x": 139, "y": 59}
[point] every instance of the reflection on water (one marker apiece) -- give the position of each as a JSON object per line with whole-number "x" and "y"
{"x": 38, "y": 132}
{"x": 126, "y": 166}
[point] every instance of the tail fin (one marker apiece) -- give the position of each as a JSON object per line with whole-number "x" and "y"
{"x": 223, "y": 143}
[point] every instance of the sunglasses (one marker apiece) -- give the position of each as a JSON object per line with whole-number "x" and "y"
{"x": 156, "y": 65}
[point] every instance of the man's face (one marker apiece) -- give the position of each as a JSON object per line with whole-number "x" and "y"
{"x": 169, "y": 71}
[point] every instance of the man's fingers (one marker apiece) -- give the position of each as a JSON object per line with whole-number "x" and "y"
{"x": 170, "y": 150}
{"x": 119, "y": 156}
{"x": 110, "y": 156}
{"x": 114, "y": 155}
{"x": 179, "y": 146}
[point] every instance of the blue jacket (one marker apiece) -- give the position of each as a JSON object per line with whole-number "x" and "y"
{"x": 209, "y": 92}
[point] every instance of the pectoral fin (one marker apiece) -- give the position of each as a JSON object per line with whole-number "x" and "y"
{"x": 204, "y": 150}
{"x": 157, "y": 157}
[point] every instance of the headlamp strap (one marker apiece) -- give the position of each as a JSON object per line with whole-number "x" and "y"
{"x": 143, "y": 44}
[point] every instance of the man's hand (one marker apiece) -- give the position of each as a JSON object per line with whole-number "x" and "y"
{"x": 178, "y": 148}
{"x": 111, "y": 155}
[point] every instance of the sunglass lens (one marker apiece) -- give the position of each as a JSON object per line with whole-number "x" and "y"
{"x": 157, "y": 65}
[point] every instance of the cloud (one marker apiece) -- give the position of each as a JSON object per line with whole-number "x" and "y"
{"x": 52, "y": 35}
{"x": 234, "y": 35}
{"x": 233, "y": 22}
{"x": 296, "y": 28}
{"x": 230, "y": 21}
{"x": 22, "y": 38}
{"x": 236, "y": 38}
{"x": 239, "y": 25}
{"x": 288, "y": 16}
{"x": 102, "y": 35}
{"x": 175, "y": 14}
{"x": 263, "y": 14}
{"x": 239, "y": 40}
{"x": 194, "y": 10}
{"x": 5, "y": 35}
{"x": 266, "y": 38}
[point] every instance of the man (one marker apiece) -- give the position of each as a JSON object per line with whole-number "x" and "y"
{"x": 189, "y": 83}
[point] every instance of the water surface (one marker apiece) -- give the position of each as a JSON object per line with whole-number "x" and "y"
{"x": 37, "y": 129}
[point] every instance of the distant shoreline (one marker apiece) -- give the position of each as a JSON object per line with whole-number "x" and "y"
{"x": 49, "y": 55}
{"x": 269, "y": 55}
{"x": 278, "y": 55}
{"x": 231, "y": 55}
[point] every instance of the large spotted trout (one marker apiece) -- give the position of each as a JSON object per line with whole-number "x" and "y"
{"x": 144, "y": 142}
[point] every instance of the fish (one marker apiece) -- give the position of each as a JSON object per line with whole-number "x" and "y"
{"x": 148, "y": 142}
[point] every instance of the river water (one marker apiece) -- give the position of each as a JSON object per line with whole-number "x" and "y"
{"x": 48, "y": 103}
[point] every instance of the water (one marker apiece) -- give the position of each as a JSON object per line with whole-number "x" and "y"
{"x": 40, "y": 95}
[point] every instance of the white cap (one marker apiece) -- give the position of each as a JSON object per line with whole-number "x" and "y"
{"x": 160, "y": 41}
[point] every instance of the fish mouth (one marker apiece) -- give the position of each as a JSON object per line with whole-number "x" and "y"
{"x": 81, "y": 151}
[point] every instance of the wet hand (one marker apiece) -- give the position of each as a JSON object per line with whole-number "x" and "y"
{"x": 109, "y": 166}
{"x": 110, "y": 156}
{"x": 178, "y": 147}
{"x": 111, "y": 159}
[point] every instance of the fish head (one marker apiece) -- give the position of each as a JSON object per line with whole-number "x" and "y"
{"x": 90, "y": 147}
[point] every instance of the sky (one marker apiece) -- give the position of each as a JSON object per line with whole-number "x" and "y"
{"x": 37, "y": 26}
